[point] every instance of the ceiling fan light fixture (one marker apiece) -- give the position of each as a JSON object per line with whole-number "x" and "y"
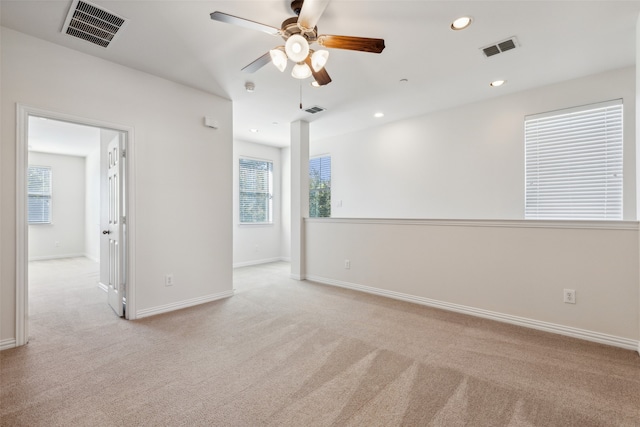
{"x": 301, "y": 71}
{"x": 279, "y": 58}
{"x": 297, "y": 48}
{"x": 319, "y": 59}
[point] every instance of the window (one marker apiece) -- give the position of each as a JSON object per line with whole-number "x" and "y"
{"x": 256, "y": 186}
{"x": 320, "y": 187}
{"x": 39, "y": 195}
{"x": 573, "y": 163}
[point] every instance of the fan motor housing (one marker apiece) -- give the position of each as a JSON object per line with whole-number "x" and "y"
{"x": 296, "y": 6}
{"x": 290, "y": 27}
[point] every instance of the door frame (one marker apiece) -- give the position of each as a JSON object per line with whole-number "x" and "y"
{"x": 23, "y": 112}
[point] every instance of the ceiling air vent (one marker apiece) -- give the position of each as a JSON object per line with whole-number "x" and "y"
{"x": 92, "y": 23}
{"x": 500, "y": 47}
{"x": 314, "y": 110}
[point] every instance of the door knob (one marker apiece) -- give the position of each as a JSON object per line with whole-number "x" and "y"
{"x": 106, "y": 232}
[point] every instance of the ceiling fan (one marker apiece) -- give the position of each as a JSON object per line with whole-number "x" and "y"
{"x": 298, "y": 33}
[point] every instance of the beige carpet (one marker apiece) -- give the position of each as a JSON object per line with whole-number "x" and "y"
{"x": 285, "y": 353}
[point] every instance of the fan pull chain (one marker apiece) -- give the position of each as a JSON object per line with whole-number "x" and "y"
{"x": 301, "y": 94}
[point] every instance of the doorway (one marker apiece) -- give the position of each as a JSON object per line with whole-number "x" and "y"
{"x": 72, "y": 206}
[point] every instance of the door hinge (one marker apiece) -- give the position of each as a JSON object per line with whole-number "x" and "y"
{"x": 124, "y": 153}
{"x": 123, "y": 220}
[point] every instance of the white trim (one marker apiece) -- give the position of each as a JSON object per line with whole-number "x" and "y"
{"x": 130, "y": 184}
{"x": 182, "y": 304}
{"x": 22, "y": 254}
{"x": 48, "y": 257}
{"x": 90, "y": 257}
{"x": 103, "y": 287}
{"x": 604, "y": 104}
{"x": 584, "y": 334}
{"x": 300, "y": 277}
{"x": 22, "y": 133}
{"x": 258, "y": 262}
{"x": 530, "y": 223}
{"x": 7, "y": 344}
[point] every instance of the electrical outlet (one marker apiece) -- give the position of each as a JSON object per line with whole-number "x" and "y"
{"x": 347, "y": 264}
{"x": 168, "y": 279}
{"x": 570, "y": 296}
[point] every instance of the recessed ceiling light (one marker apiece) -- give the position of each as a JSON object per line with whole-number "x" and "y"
{"x": 497, "y": 83}
{"x": 254, "y": 130}
{"x": 250, "y": 87}
{"x": 378, "y": 115}
{"x": 461, "y": 23}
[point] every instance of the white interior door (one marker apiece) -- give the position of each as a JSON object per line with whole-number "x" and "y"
{"x": 115, "y": 228}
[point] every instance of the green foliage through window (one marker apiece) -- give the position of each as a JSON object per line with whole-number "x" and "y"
{"x": 320, "y": 187}
{"x": 256, "y": 186}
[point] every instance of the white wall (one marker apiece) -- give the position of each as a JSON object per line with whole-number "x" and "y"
{"x": 256, "y": 244}
{"x": 92, "y": 205}
{"x": 64, "y": 237}
{"x": 178, "y": 160}
{"x": 512, "y": 270}
{"x": 637, "y": 120}
{"x": 466, "y": 162}
{"x": 466, "y": 165}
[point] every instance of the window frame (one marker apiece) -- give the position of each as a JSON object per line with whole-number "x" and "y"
{"x": 574, "y": 163}
{"x": 45, "y": 196}
{"x": 269, "y": 193}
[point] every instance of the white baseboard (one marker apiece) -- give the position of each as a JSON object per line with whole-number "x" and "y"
{"x": 182, "y": 304}
{"x": 103, "y": 287}
{"x": 301, "y": 277}
{"x": 48, "y": 257}
{"x": 92, "y": 258}
{"x": 258, "y": 262}
{"x": 584, "y": 334}
{"x": 7, "y": 344}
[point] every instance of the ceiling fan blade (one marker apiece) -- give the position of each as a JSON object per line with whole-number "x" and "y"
{"x": 321, "y": 77}
{"x": 311, "y": 12}
{"x": 230, "y": 19}
{"x": 258, "y": 63}
{"x": 362, "y": 44}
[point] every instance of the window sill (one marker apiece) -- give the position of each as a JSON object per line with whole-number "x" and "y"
{"x": 255, "y": 224}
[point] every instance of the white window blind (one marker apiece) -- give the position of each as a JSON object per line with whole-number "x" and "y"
{"x": 39, "y": 195}
{"x": 320, "y": 187}
{"x": 573, "y": 162}
{"x": 256, "y": 186}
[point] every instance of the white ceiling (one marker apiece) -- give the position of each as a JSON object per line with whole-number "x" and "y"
{"x": 559, "y": 40}
{"x": 57, "y": 137}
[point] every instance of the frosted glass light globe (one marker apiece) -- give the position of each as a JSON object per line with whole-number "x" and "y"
{"x": 297, "y": 48}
